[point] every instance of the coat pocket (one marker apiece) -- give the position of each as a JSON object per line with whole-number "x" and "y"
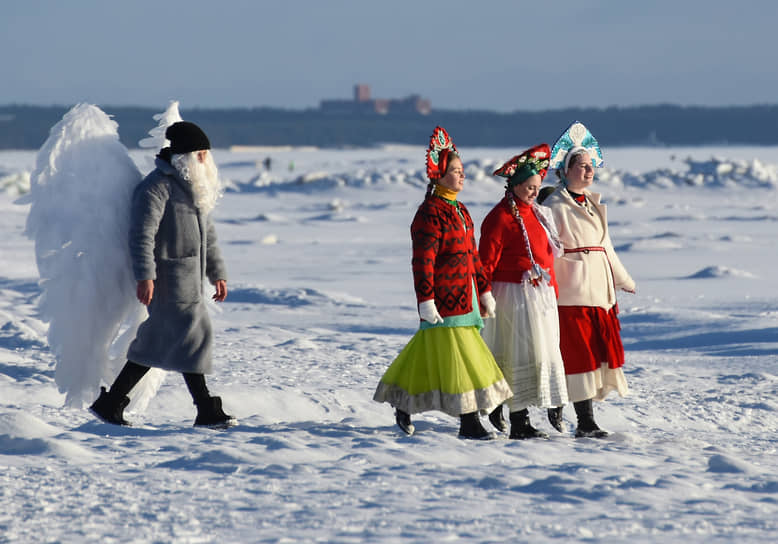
{"x": 569, "y": 272}
{"x": 183, "y": 235}
{"x": 179, "y": 280}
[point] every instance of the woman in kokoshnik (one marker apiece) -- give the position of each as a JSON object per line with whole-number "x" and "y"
{"x": 518, "y": 245}
{"x": 446, "y": 366}
{"x": 588, "y": 274}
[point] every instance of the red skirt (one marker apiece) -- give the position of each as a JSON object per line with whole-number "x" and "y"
{"x": 589, "y": 336}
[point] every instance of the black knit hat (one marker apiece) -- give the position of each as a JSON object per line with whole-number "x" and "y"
{"x": 186, "y": 137}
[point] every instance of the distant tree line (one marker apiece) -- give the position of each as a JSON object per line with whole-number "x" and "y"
{"x": 27, "y": 127}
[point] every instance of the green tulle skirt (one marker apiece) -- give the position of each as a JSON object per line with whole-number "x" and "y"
{"x": 449, "y": 369}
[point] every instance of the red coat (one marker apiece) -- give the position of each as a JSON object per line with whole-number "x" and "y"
{"x": 503, "y": 248}
{"x": 445, "y": 257}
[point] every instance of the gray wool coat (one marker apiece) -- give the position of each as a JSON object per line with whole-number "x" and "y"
{"x": 172, "y": 243}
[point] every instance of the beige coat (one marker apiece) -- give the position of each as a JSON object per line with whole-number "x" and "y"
{"x": 586, "y": 279}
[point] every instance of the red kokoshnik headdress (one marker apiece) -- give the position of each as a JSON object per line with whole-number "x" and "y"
{"x": 439, "y": 153}
{"x": 527, "y": 163}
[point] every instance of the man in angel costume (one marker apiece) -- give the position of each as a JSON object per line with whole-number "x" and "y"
{"x": 172, "y": 247}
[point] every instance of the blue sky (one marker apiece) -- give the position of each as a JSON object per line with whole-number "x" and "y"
{"x": 497, "y": 55}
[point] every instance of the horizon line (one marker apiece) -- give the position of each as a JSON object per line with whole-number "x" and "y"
{"x": 438, "y": 110}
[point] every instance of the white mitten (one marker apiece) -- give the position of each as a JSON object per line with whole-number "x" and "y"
{"x": 489, "y": 304}
{"x": 429, "y": 312}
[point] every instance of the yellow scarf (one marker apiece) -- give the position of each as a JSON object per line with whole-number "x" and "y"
{"x": 444, "y": 193}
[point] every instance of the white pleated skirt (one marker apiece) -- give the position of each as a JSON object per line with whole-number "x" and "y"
{"x": 524, "y": 339}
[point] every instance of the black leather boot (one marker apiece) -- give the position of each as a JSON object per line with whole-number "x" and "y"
{"x": 210, "y": 414}
{"x": 470, "y": 427}
{"x": 110, "y": 407}
{"x": 555, "y": 418}
{"x": 498, "y": 420}
{"x": 403, "y": 420}
{"x": 521, "y": 427}
{"x": 587, "y": 428}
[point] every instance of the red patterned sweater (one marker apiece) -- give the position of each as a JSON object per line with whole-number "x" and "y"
{"x": 445, "y": 257}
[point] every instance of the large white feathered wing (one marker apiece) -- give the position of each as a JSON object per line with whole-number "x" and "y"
{"x": 80, "y": 195}
{"x": 156, "y": 139}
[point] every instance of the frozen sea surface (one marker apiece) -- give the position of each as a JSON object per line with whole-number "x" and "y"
{"x": 321, "y": 301}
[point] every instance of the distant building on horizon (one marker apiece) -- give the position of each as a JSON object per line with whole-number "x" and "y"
{"x": 362, "y": 103}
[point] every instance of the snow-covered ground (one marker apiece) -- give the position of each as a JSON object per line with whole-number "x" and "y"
{"x": 321, "y": 301}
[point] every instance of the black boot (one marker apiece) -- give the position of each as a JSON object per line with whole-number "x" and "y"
{"x": 555, "y": 418}
{"x": 110, "y": 407}
{"x": 498, "y": 420}
{"x": 587, "y": 428}
{"x": 403, "y": 420}
{"x": 521, "y": 427}
{"x": 210, "y": 414}
{"x": 470, "y": 427}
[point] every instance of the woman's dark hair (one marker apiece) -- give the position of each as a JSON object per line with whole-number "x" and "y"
{"x": 544, "y": 193}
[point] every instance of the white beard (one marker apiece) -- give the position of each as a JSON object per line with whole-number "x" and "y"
{"x": 204, "y": 178}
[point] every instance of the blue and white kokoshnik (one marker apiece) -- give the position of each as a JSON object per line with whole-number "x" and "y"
{"x": 577, "y": 135}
